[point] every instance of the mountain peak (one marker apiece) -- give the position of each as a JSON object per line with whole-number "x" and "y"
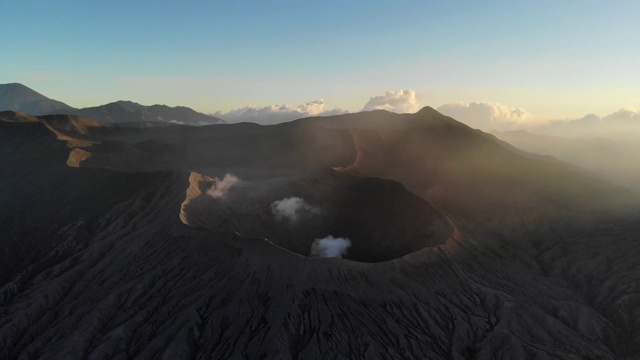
{"x": 18, "y": 97}
{"x": 427, "y": 110}
{"x": 129, "y": 104}
{"x": 17, "y": 90}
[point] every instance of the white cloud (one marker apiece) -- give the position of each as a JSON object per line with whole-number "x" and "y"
{"x": 623, "y": 124}
{"x": 275, "y": 114}
{"x": 330, "y": 247}
{"x": 487, "y": 115}
{"x": 401, "y": 101}
{"x": 292, "y": 209}
{"x": 220, "y": 188}
{"x": 624, "y": 114}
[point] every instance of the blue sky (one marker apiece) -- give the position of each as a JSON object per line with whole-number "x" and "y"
{"x": 556, "y": 59}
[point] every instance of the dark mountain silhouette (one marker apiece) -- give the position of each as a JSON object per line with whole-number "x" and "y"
{"x": 18, "y": 97}
{"x": 122, "y": 241}
{"x": 127, "y": 111}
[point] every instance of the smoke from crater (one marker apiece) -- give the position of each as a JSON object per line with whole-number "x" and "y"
{"x": 220, "y": 188}
{"x": 292, "y": 209}
{"x": 330, "y": 247}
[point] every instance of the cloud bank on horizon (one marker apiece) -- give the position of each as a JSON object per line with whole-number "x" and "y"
{"x": 631, "y": 115}
{"x": 623, "y": 124}
{"x": 484, "y": 115}
{"x": 275, "y": 114}
{"x": 401, "y": 101}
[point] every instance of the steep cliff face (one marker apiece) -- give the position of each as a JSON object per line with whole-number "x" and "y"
{"x": 114, "y": 264}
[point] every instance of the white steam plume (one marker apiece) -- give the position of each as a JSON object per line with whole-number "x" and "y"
{"x": 292, "y": 209}
{"x": 401, "y": 101}
{"x": 330, "y": 247}
{"x": 220, "y": 188}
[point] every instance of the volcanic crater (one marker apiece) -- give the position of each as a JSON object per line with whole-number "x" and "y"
{"x": 294, "y": 214}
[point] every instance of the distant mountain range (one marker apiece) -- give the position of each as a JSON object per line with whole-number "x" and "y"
{"x": 17, "y": 97}
{"x": 128, "y": 111}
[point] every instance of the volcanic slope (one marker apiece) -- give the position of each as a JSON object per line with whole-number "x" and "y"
{"x": 109, "y": 270}
{"x": 460, "y": 171}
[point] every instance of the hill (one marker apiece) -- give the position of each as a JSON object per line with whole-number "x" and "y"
{"x": 148, "y": 249}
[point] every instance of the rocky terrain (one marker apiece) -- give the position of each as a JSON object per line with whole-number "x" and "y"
{"x": 179, "y": 242}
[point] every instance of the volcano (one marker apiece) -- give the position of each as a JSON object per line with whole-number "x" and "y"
{"x": 168, "y": 241}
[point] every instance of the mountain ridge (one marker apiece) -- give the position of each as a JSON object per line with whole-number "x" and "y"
{"x": 18, "y": 97}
